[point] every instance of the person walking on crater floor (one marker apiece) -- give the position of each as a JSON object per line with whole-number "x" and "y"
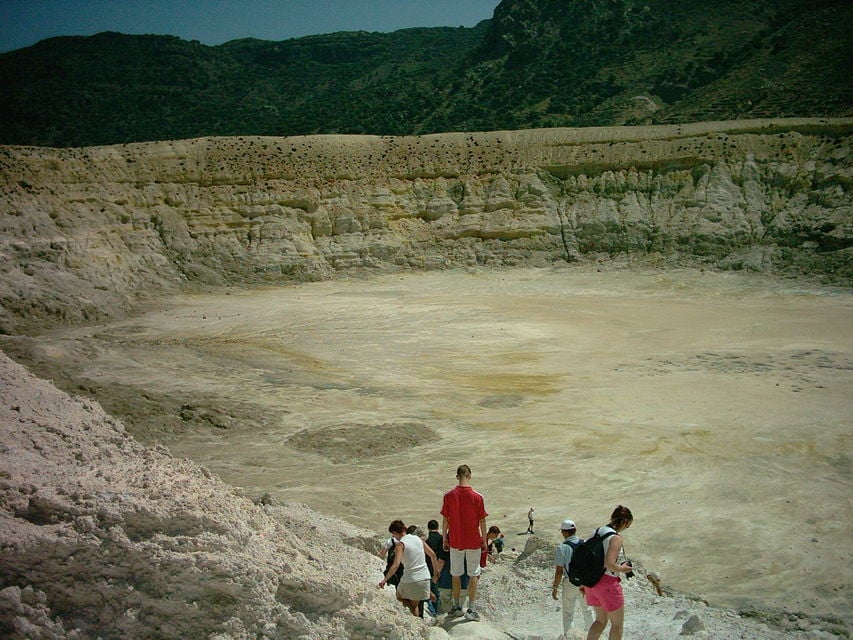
{"x": 411, "y": 552}
{"x": 463, "y": 515}
{"x": 572, "y": 595}
{"x": 606, "y": 597}
{"x": 530, "y": 516}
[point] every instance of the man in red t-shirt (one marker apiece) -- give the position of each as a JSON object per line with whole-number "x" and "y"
{"x": 464, "y": 530}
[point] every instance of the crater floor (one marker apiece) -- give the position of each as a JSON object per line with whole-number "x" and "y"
{"x": 716, "y": 405}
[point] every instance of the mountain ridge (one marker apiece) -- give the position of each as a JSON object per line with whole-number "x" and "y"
{"x": 536, "y": 63}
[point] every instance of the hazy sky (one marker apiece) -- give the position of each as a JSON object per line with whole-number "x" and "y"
{"x": 25, "y": 22}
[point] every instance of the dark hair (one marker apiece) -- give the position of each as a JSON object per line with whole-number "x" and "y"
{"x": 494, "y": 529}
{"x": 432, "y": 525}
{"x": 620, "y": 517}
{"x": 397, "y": 526}
{"x": 463, "y": 471}
{"x": 411, "y": 528}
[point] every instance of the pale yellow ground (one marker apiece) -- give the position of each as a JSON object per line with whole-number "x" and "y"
{"x": 716, "y": 406}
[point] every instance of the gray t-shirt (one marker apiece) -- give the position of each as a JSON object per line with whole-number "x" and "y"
{"x": 563, "y": 555}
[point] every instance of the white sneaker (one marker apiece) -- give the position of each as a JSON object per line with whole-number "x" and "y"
{"x": 472, "y": 615}
{"x": 455, "y": 612}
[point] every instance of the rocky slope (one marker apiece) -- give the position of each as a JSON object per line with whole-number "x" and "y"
{"x": 102, "y": 537}
{"x": 85, "y": 233}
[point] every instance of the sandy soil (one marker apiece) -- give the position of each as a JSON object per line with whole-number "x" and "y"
{"x": 716, "y": 406}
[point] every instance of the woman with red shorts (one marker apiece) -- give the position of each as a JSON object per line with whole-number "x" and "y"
{"x": 606, "y": 597}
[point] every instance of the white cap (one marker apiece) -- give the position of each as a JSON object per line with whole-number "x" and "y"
{"x": 567, "y": 525}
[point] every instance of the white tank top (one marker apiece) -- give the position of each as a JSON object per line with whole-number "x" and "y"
{"x": 414, "y": 559}
{"x": 606, "y": 544}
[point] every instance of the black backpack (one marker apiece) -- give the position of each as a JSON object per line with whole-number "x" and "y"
{"x": 395, "y": 579}
{"x": 573, "y": 545}
{"x": 587, "y": 565}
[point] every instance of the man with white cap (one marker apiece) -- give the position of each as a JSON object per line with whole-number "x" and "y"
{"x": 562, "y": 558}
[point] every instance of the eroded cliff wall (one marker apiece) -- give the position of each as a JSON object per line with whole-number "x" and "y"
{"x": 86, "y": 232}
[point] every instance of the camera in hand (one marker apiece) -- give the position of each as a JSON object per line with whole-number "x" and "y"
{"x": 630, "y": 574}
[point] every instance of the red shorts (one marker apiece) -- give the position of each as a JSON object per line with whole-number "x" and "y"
{"x": 607, "y": 594}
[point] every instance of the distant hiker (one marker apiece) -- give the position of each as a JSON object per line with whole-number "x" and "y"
{"x": 562, "y": 558}
{"x": 434, "y": 542}
{"x": 464, "y": 513}
{"x": 530, "y": 515}
{"x": 412, "y": 553}
{"x": 606, "y": 596}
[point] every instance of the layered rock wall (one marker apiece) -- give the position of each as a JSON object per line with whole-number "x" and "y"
{"x": 86, "y": 232}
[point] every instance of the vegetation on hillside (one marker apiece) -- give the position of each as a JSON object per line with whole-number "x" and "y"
{"x": 536, "y": 63}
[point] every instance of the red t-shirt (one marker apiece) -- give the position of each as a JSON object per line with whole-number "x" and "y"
{"x": 464, "y": 508}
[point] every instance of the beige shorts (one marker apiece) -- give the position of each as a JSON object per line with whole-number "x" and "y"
{"x": 414, "y": 590}
{"x": 465, "y": 561}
